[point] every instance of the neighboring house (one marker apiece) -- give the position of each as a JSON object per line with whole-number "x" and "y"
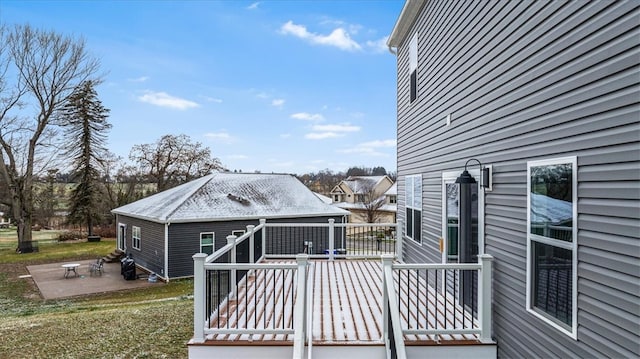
{"x": 368, "y": 198}
{"x": 163, "y": 231}
{"x": 546, "y": 94}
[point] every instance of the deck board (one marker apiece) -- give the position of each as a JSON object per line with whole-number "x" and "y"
{"x": 347, "y": 307}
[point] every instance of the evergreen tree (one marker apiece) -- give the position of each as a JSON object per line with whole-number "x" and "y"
{"x": 86, "y": 126}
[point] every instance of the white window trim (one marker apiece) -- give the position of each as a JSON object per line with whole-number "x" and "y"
{"x": 213, "y": 241}
{"x": 419, "y": 176}
{"x": 134, "y": 237}
{"x": 413, "y": 63}
{"x": 450, "y": 176}
{"x": 573, "y": 246}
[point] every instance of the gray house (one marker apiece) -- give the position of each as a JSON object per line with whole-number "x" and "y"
{"x": 544, "y": 96}
{"x": 162, "y": 232}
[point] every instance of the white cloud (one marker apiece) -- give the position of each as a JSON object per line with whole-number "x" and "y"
{"x": 336, "y": 128}
{"x": 316, "y": 117}
{"x": 370, "y": 148}
{"x": 222, "y": 136}
{"x": 285, "y": 135}
{"x": 163, "y": 99}
{"x": 337, "y": 38}
{"x": 139, "y": 79}
{"x": 322, "y": 135}
{"x": 253, "y": 6}
{"x": 321, "y": 132}
{"x": 278, "y": 102}
{"x": 378, "y": 46}
{"x": 379, "y": 143}
{"x": 211, "y": 99}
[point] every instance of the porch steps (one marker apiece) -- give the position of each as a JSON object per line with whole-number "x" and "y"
{"x": 113, "y": 256}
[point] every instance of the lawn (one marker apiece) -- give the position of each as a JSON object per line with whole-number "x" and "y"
{"x": 153, "y": 322}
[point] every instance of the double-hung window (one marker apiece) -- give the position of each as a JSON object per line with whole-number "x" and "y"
{"x": 413, "y": 205}
{"x": 135, "y": 237}
{"x": 413, "y": 68}
{"x": 551, "y": 242}
{"x": 207, "y": 242}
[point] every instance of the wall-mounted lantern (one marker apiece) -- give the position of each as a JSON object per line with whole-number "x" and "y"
{"x": 465, "y": 219}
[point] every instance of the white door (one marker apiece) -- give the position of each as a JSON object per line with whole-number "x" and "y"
{"x": 122, "y": 236}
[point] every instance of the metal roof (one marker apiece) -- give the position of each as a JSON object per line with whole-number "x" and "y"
{"x": 229, "y": 196}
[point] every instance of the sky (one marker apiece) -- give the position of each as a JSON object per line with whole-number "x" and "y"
{"x": 269, "y": 86}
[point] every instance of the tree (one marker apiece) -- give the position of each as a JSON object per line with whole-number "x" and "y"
{"x": 86, "y": 127}
{"x": 372, "y": 201}
{"x": 45, "y": 67}
{"x": 173, "y": 160}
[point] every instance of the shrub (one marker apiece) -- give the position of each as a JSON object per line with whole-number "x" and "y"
{"x": 70, "y": 236}
{"x": 105, "y": 232}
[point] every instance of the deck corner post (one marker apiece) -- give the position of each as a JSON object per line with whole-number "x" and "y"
{"x": 331, "y": 238}
{"x": 251, "y": 229}
{"x": 399, "y": 248}
{"x": 199, "y": 283}
{"x": 387, "y": 262}
{"x": 300, "y": 309}
{"x": 263, "y": 231}
{"x": 232, "y": 259}
{"x": 485, "y": 313}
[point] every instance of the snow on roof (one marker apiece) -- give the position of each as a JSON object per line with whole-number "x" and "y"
{"x": 393, "y": 190}
{"x": 226, "y": 196}
{"x": 323, "y": 198}
{"x": 362, "y": 184}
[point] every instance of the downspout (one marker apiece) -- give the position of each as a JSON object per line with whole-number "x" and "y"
{"x": 166, "y": 251}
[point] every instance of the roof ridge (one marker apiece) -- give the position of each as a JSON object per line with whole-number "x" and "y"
{"x": 184, "y": 198}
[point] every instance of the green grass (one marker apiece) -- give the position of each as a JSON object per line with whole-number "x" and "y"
{"x": 150, "y": 322}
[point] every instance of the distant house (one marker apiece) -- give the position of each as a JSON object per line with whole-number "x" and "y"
{"x": 362, "y": 194}
{"x": 545, "y": 95}
{"x": 163, "y": 231}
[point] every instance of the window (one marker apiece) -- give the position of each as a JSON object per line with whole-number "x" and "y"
{"x": 393, "y": 199}
{"x": 413, "y": 204}
{"x": 207, "y": 243}
{"x": 413, "y": 67}
{"x": 551, "y": 242}
{"x": 135, "y": 237}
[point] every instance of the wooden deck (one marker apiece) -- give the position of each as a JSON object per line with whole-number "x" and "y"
{"x": 346, "y": 308}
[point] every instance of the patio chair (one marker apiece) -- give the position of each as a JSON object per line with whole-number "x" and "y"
{"x": 97, "y": 267}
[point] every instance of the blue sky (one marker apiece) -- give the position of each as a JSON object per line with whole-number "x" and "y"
{"x": 270, "y": 86}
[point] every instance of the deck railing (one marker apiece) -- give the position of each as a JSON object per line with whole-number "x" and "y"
{"x": 415, "y": 296}
{"x": 435, "y": 302}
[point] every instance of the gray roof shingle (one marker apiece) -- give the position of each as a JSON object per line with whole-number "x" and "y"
{"x": 230, "y": 196}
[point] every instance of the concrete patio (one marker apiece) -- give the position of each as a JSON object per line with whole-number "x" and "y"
{"x": 51, "y": 281}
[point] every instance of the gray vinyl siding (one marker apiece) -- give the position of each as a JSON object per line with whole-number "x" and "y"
{"x": 526, "y": 81}
{"x": 184, "y": 239}
{"x": 151, "y": 253}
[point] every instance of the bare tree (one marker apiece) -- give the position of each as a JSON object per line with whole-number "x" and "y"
{"x": 45, "y": 67}
{"x": 173, "y": 160}
{"x": 371, "y": 200}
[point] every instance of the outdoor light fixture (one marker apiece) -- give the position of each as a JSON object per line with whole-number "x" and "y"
{"x": 465, "y": 177}
{"x": 466, "y": 252}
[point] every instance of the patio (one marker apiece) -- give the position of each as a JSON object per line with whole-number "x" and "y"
{"x": 50, "y": 280}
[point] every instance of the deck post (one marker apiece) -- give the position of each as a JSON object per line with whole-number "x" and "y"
{"x": 387, "y": 261}
{"x": 331, "y": 238}
{"x": 232, "y": 259}
{"x": 199, "y": 283}
{"x": 485, "y": 290}
{"x": 300, "y": 309}
{"x": 264, "y": 236}
{"x": 399, "y": 249}
{"x": 250, "y": 229}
